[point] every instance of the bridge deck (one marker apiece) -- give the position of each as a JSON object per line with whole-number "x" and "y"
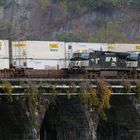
{"x": 61, "y": 85}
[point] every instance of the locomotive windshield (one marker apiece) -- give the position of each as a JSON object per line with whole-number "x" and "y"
{"x": 84, "y": 55}
{"x": 80, "y": 56}
{"x": 133, "y": 56}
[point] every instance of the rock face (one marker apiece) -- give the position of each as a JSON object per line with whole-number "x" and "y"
{"x": 25, "y": 19}
{"x": 66, "y": 121}
{"x": 69, "y": 120}
{"x": 14, "y": 123}
{"x": 123, "y": 121}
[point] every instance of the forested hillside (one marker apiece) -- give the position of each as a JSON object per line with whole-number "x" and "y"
{"x": 71, "y": 20}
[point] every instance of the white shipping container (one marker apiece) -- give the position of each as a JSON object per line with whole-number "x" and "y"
{"x": 45, "y": 64}
{"x": 4, "y": 63}
{"x": 39, "y": 63}
{"x": 4, "y": 49}
{"x": 39, "y": 49}
{"x": 41, "y": 52}
{"x": 123, "y": 47}
{"x": 4, "y": 54}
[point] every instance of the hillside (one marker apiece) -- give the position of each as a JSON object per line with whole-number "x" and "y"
{"x": 75, "y": 20}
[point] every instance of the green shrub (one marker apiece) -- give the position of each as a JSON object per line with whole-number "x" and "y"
{"x": 68, "y": 37}
{"x": 32, "y": 96}
{"x": 7, "y": 87}
{"x": 52, "y": 98}
{"x": 98, "y": 3}
{"x": 108, "y": 33}
{"x": 44, "y": 4}
{"x": 126, "y": 87}
{"x": 136, "y": 3}
{"x": 138, "y": 91}
{"x": 2, "y": 2}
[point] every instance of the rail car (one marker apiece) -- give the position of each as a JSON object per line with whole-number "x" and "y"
{"x": 32, "y": 73}
{"x": 106, "y": 64}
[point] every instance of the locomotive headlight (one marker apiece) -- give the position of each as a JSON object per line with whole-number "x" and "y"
{"x": 77, "y": 63}
{"x": 132, "y": 64}
{"x": 74, "y": 63}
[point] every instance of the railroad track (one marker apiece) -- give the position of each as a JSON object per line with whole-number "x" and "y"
{"x": 61, "y": 86}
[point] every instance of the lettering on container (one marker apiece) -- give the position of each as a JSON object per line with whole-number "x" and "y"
{"x": 137, "y": 47}
{"x": 19, "y": 45}
{"x": 53, "y": 47}
{"x": 111, "y": 46}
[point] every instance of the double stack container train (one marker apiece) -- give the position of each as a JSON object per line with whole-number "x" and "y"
{"x": 52, "y": 59}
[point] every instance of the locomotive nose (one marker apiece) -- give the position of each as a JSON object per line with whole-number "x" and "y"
{"x": 77, "y": 63}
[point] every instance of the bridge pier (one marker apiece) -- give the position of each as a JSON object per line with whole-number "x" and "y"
{"x": 123, "y": 121}
{"x": 67, "y": 120}
{"x": 14, "y": 123}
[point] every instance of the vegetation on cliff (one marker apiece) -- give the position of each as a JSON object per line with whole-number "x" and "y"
{"x": 44, "y": 4}
{"x": 96, "y": 98}
{"x": 109, "y": 31}
{"x": 7, "y": 88}
{"x": 138, "y": 91}
{"x": 99, "y": 3}
{"x": 71, "y": 20}
{"x": 126, "y": 86}
{"x": 2, "y": 2}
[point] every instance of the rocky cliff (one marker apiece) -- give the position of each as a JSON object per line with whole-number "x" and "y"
{"x": 29, "y": 19}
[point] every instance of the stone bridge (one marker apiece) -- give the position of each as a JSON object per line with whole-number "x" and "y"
{"x": 53, "y": 113}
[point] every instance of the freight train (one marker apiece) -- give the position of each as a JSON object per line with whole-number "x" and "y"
{"x": 27, "y": 59}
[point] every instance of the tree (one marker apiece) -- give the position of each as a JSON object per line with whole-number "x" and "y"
{"x": 68, "y": 37}
{"x": 97, "y": 3}
{"x": 109, "y": 33}
{"x": 136, "y": 3}
{"x": 44, "y": 4}
{"x": 2, "y": 2}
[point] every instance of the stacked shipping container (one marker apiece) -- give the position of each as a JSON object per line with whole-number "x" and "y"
{"x": 38, "y": 54}
{"x": 52, "y": 54}
{"x": 123, "y": 47}
{"x": 4, "y": 54}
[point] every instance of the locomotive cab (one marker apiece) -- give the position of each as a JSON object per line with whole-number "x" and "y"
{"x": 133, "y": 60}
{"x": 80, "y": 60}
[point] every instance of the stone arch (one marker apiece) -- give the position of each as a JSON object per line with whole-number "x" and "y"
{"x": 65, "y": 120}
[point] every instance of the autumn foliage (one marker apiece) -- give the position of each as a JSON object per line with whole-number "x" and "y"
{"x": 97, "y": 98}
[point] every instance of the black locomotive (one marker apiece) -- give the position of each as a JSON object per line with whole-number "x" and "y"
{"x": 107, "y": 64}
